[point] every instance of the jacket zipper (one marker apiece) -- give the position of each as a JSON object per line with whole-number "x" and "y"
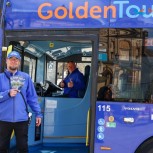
{"x": 13, "y": 109}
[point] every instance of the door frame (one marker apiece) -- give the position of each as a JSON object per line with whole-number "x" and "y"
{"x": 86, "y": 34}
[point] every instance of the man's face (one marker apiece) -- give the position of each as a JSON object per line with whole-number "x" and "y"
{"x": 71, "y": 67}
{"x": 110, "y": 88}
{"x": 13, "y": 63}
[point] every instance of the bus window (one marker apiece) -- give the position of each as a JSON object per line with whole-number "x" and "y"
{"x": 51, "y": 71}
{"x": 62, "y": 70}
{"x": 128, "y": 62}
{"x": 29, "y": 67}
{"x": 57, "y": 71}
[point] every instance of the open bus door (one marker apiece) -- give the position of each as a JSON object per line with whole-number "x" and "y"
{"x": 64, "y": 119}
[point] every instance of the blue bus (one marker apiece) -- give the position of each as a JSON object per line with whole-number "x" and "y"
{"x": 111, "y": 41}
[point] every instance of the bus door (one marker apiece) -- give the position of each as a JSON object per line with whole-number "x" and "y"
{"x": 45, "y": 56}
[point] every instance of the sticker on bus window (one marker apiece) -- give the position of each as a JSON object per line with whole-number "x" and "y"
{"x": 102, "y": 57}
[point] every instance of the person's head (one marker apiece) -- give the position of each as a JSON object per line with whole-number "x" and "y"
{"x": 13, "y": 61}
{"x": 110, "y": 86}
{"x": 71, "y": 66}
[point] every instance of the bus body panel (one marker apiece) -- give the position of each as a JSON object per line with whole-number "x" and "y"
{"x": 24, "y": 15}
{"x": 132, "y": 14}
{"x": 2, "y": 11}
{"x": 65, "y": 118}
{"x": 1, "y": 40}
{"x": 80, "y": 14}
{"x": 129, "y": 123}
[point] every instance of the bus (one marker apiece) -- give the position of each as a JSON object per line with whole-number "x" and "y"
{"x": 111, "y": 42}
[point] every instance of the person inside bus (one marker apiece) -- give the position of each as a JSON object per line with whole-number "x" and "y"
{"x": 74, "y": 82}
{"x": 105, "y": 93}
{"x": 16, "y": 92}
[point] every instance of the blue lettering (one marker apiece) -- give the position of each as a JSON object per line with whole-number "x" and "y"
{"x": 136, "y": 9}
{"x": 145, "y": 10}
{"x": 120, "y": 3}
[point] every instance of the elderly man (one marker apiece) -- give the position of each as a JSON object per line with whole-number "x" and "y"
{"x": 74, "y": 81}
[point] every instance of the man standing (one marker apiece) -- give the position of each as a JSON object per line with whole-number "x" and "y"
{"x": 74, "y": 81}
{"x": 16, "y": 91}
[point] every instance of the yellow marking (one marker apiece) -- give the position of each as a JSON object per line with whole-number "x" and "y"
{"x": 105, "y": 148}
{"x": 9, "y": 49}
{"x": 12, "y": 134}
{"x": 51, "y": 45}
{"x": 87, "y": 132}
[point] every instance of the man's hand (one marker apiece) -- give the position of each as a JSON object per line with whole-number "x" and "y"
{"x": 13, "y": 92}
{"x": 38, "y": 121}
{"x": 70, "y": 84}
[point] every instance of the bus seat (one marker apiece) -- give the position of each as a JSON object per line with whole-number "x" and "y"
{"x": 86, "y": 79}
{"x": 39, "y": 89}
{"x": 86, "y": 74}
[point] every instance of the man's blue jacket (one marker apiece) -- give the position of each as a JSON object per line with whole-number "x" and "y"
{"x": 78, "y": 84}
{"x": 13, "y": 109}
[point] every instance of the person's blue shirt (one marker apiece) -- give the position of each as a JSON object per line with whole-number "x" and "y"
{"x": 78, "y": 84}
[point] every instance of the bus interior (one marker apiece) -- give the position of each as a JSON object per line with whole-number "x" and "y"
{"x": 122, "y": 58}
